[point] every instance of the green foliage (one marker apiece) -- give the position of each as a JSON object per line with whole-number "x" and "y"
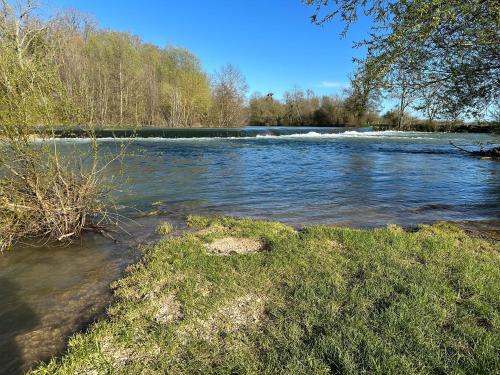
{"x": 43, "y": 195}
{"x": 265, "y": 110}
{"x": 362, "y": 100}
{"x": 116, "y": 79}
{"x": 164, "y": 228}
{"x": 440, "y": 54}
{"x": 67, "y": 71}
{"x": 326, "y": 300}
{"x": 31, "y": 91}
{"x": 305, "y": 108}
{"x": 229, "y": 89}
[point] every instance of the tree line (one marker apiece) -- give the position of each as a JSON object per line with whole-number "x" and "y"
{"x": 67, "y": 70}
{"x": 305, "y": 108}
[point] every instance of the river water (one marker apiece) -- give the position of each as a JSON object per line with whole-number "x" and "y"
{"x": 354, "y": 177}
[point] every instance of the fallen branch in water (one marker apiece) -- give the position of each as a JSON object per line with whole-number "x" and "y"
{"x": 482, "y": 152}
{"x": 102, "y": 230}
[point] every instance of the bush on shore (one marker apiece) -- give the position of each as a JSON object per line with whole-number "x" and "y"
{"x": 44, "y": 193}
{"x": 48, "y": 195}
{"x": 324, "y": 300}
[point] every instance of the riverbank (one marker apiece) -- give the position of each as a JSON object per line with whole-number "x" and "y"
{"x": 242, "y": 296}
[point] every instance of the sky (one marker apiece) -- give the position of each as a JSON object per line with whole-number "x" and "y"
{"x": 272, "y": 42}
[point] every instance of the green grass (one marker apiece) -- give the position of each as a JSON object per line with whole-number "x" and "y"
{"x": 164, "y": 228}
{"x": 325, "y": 300}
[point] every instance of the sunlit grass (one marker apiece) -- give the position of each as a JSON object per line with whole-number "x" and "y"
{"x": 164, "y": 228}
{"x": 325, "y": 300}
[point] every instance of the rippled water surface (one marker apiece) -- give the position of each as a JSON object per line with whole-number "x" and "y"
{"x": 355, "y": 177}
{"x": 352, "y": 177}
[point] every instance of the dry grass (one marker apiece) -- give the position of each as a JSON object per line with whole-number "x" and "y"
{"x": 233, "y": 245}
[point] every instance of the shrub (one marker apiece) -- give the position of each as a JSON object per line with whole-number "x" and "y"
{"x": 51, "y": 195}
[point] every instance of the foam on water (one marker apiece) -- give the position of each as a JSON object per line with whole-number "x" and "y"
{"x": 351, "y": 134}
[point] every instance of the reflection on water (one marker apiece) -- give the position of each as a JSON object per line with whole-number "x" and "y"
{"x": 296, "y": 176}
{"x": 358, "y": 178}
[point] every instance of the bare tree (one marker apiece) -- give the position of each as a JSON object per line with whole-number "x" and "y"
{"x": 229, "y": 88}
{"x": 44, "y": 193}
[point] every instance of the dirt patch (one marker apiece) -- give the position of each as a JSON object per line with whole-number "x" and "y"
{"x": 235, "y": 245}
{"x": 334, "y": 244}
{"x": 243, "y": 312}
{"x": 168, "y": 309}
{"x": 119, "y": 356}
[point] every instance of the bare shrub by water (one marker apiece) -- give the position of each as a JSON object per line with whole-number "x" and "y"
{"x": 50, "y": 195}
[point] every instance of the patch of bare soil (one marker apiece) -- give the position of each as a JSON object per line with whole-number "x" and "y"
{"x": 234, "y": 245}
{"x": 119, "y": 356}
{"x": 244, "y": 311}
{"x": 168, "y": 309}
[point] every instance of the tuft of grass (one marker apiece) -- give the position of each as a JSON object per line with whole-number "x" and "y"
{"x": 164, "y": 228}
{"x": 326, "y": 300}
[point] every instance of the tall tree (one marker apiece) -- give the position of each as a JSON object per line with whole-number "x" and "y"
{"x": 186, "y": 96}
{"x": 361, "y": 99}
{"x": 265, "y": 110}
{"x": 454, "y": 43}
{"x": 30, "y": 87}
{"x": 228, "y": 95}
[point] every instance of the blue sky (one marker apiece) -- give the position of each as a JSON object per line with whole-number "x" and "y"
{"x": 272, "y": 42}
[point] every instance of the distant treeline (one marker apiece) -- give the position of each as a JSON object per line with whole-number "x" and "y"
{"x": 305, "y": 108}
{"x": 438, "y": 126}
{"x": 68, "y": 71}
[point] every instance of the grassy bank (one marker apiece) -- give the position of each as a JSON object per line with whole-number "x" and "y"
{"x": 324, "y": 300}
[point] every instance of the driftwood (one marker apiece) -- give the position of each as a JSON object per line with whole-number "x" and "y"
{"x": 482, "y": 152}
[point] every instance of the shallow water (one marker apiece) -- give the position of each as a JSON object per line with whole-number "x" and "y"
{"x": 48, "y": 293}
{"x": 324, "y": 175}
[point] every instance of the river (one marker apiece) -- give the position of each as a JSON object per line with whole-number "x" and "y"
{"x": 355, "y": 177}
